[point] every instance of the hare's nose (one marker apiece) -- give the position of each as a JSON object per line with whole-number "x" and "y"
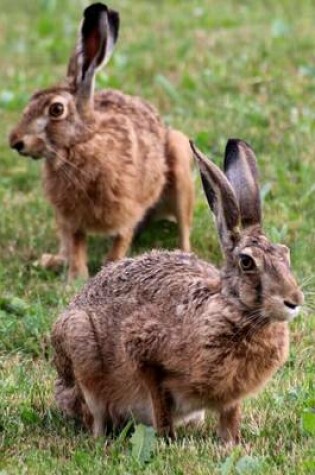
{"x": 291, "y": 305}
{"x": 295, "y": 300}
{"x": 19, "y": 145}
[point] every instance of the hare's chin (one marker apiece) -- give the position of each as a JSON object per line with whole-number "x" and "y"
{"x": 287, "y": 315}
{"x": 30, "y": 155}
{"x": 36, "y": 157}
{"x": 292, "y": 313}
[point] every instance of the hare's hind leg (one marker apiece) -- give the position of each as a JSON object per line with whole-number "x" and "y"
{"x": 97, "y": 410}
{"x": 181, "y": 186}
{"x": 229, "y": 424}
{"x": 184, "y": 211}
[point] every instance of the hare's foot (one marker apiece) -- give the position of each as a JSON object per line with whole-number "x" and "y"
{"x": 195, "y": 419}
{"x": 229, "y": 424}
{"x": 54, "y": 262}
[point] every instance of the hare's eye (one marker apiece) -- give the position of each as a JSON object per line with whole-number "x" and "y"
{"x": 56, "y": 109}
{"x": 247, "y": 263}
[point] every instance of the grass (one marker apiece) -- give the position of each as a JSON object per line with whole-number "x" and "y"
{"x": 215, "y": 70}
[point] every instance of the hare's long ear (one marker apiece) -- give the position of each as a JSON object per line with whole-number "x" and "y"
{"x": 240, "y": 167}
{"x": 98, "y": 35}
{"x": 221, "y": 199}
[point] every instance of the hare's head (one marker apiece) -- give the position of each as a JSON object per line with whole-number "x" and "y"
{"x": 59, "y": 117}
{"x": 256, "y": 272}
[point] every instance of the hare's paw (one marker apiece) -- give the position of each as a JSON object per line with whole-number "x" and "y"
{"x": 167, "y": 432}
{"x": 194, "y": 419}
{"x": 55, "y": 262}
{"x": 229, "y": 425}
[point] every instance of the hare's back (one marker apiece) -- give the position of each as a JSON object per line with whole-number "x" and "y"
{"x": 142, "y": 114}
{"x": 137, "y": 133}
{"x": 162, "y": 278}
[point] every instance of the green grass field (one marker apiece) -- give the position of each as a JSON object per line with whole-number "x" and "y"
{"x": 215, "y": 70}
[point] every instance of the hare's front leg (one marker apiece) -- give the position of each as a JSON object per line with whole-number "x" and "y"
{"x": 229, "y": 424}
{"x": 144, "y": 338}
{"x": 77, "y": 256}
{"x": 161, "y": 400}
{"x": 120, "y": 246}
{"x": 72, "y": 250}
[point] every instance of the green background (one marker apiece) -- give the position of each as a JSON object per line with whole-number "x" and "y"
{"x": 215, "y": 70}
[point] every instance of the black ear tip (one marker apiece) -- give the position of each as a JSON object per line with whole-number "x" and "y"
{"x": 92, "y": 15}
{"x": 114, "y": 21}
{"x": 233, "y": 149}
{"x": 113, "y": 15}
{"x": 94, "y": 10}
{"x": 235, "y": 144}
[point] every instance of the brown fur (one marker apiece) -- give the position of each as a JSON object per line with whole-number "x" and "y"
{"x": 109, "y": 159}
{"x": 166, "y": 334}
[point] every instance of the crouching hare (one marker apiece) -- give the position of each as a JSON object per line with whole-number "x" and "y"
{"x": 163, "y": 337}
{"x": 109, "y": 159}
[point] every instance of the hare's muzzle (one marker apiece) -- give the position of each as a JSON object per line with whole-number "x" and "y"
{"x": 16, "y": 142}
{"x": 26, "y": 145}
{"x": 293, "y": 304}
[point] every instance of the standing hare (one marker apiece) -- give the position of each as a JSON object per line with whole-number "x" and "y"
{"x": 165, "y": 336}
{"x": 109, "y": 157}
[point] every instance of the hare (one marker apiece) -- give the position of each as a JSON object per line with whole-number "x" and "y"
{"x": 165, "y": 336}
{"x": 109, "y": 159}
